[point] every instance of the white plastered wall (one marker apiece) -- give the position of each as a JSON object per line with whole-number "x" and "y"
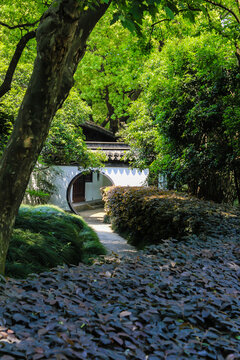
{"x": 122, "y": 176}
{"x": 92, "y": 189}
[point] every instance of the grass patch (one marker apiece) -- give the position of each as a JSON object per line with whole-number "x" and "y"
{"x": 45, "y": 236}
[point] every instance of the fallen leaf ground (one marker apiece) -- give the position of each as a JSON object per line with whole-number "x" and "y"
{"x": 177, "y": 300}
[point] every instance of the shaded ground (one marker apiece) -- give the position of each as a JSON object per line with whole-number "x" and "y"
{"x": 180, "y": 300}
{"x": 112, "y": 241}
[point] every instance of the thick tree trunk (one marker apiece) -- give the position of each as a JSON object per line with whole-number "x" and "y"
{"x": 61, "y": 38}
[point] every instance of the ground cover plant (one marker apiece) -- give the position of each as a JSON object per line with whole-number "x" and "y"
{"x": 148, "y": 215}
{"x": 45, "y": 236}
{"x": 174, "y": 301}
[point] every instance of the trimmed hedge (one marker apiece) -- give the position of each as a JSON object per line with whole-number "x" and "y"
{"x": 45, "y": 236}
{"x": 146, "y": 215}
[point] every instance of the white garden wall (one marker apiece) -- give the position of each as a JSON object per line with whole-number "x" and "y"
{"x": 117, "y": 175}
{"x": 92, "y": 189}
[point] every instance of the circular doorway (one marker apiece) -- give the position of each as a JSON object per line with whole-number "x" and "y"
{"x": 84, "y": 190}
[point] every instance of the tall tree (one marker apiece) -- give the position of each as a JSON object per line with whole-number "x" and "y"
{"x": 223, "y": 17}
{"x": 193, "y": 97}
{"x": 108, "y": 76}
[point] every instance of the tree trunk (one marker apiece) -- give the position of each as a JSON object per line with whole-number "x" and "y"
{"x": 110, "y": 108}
{"x": 238, "y": 54}
{"x": 61, "y": 39}
{"x": 236, "y": 180}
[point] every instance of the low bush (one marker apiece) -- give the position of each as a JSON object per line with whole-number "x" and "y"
{"x": 146, "y": 215}
{"x": 45, "y": 236}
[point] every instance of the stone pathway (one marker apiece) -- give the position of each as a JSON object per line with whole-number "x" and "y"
{"x": 112, "y": 241}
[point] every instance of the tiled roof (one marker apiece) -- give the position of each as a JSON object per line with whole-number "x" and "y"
{"x": 93, "y": 132}
{"x": 114, "y": 150}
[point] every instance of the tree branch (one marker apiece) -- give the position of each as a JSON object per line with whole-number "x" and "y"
{"x": 110, "y": 108}
{"x": 6, "y": 85}
{"x": 160, "y": 21}
{"x": 19, "y": 26}
{"x": 230, "y": 11}
{"x": 238, "y": 5}
{"x": 152, "y": 28}
{"x": 105, "y": 122}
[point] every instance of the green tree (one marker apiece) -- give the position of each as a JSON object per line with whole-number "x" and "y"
{"x": 142, "y": 136}
{"x": 195, "y": 120}
{"x": 223, "y": 16}
{"x": 193, "y": 97}
{"x": 108, "y": 76}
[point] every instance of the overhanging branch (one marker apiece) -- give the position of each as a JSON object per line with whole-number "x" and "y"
{"x": 230, "y": 11}
{"x": 19, "y": 26}
{"x": 6, "y": 85}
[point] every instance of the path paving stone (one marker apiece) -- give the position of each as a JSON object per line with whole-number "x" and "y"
{"x": 112, "y": 241}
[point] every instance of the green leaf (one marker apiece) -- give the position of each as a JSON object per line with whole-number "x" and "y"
{"x": 169, "y": 12}
{"x": 129, "y": 25}
{"x": 115, "y": 18}
{"x": 204, "y": 10}
{"x": 190, "y": 16}
{"x": 172, "y": 6}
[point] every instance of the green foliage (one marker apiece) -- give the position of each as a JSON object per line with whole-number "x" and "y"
{"x": 108, "y": 76}
{"x": 65, "y": 143}
{"x": 46, "y": 236}
{"x": 142, "y": 136}
{"x": 14, "y": 14}
{"x": 191, "y": 113}
{"x": 149, "y": 215}
{"x": 21, "y": 12}
{"x": 41, "y": 184}
{"x": 131, "y": 12}
{"x": 192, "y": 96}
{"x": 37, "y": 193}
{"x": 6, "y": 123}
{"x": 222, "y": 16}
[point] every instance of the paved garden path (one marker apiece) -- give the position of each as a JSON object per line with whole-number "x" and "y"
{"x": 112, "y": 241}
